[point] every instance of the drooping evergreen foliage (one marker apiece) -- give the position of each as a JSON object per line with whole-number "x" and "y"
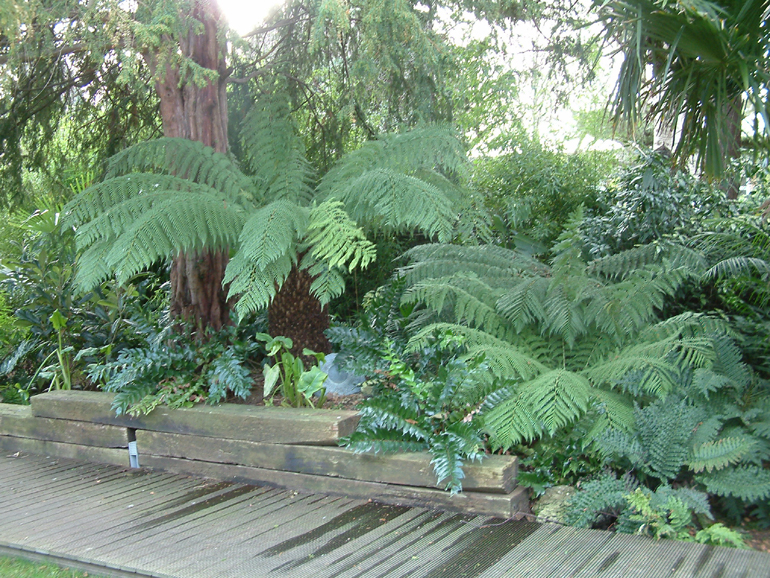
{"x": 171, "y": 195}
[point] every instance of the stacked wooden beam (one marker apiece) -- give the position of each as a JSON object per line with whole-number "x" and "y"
{"x": 292, "y": 448}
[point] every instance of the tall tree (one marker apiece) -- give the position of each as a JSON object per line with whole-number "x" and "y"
{"x": 75, "y": 56}
{"x": 711, "y": 70}
{"x": 193, "y": 105}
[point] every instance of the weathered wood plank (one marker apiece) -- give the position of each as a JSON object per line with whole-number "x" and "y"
{"x": 500, "y": 505}
{"x": 496, "y": 474}
{"x": 113, "y": 456}
{"x": 230, "y": 421}
{"x": 20, "y": 422}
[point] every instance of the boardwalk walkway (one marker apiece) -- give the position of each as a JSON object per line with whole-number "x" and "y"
{"x": 140, "y": 523}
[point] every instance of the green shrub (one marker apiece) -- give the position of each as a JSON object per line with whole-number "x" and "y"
{"x": 177, "y": 370}
{"x": 648, "y": 202}
{"x": 426, "y": 401}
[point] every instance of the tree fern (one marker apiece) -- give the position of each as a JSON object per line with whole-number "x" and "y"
{"x": 170, "y": 196}
{"x": 596, "y": 321}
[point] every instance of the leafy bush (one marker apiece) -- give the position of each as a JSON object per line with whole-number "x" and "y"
{"x": 565, "y": 458}
{"x": 177, "y": 369}
{"x": 429, "y": 401}
{"x": 677, "y": 513}
{"x": 55, "y": 320}
{"x": 530, "y": 192}
{"x": 648, "y": 202}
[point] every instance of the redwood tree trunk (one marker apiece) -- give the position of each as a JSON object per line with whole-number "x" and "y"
{"x": 198, "y": 111}
{"x": 296, "y": 314}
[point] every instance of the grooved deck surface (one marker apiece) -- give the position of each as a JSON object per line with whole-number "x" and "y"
{"x": 140, "y": 523}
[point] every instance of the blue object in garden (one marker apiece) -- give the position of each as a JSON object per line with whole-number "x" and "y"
{"x": 339, "y": 382}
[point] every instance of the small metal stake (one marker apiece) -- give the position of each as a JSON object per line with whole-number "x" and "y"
{"x": 133, "y": 455}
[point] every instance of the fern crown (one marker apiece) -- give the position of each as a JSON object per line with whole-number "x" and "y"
{"x": 171, "y": 196}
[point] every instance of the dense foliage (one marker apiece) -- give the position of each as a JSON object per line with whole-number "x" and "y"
{"x": 606, "y": 320}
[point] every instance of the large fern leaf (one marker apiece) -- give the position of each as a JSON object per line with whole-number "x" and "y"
{"x": 275, "y": 153}
{"x": 187, "y": 159}
{"x": 467, "y": 297}
{"x": 716, "y": 455}
{"x": 336, "y": 240}
{"x": 750, "y": 483}
{"x": 557, "y": 398}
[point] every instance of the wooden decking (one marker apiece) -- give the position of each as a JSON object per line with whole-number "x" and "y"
{"x": 139, "y": 523}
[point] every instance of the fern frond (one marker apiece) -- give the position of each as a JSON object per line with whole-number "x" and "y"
{"x": 101, "y": 197}
{"x": 92, "y": 267}
{"x": 254, "y": 286}
{"x": 665, "y": 429}
{"x": 687, "y": 324}
{"x": 564, "y": 316}
{"x": 271, "y": 232}
{"x": 188, "y": 222}
{"x": 468, "y": 298}
{"x": 328, "y": 282}
{"x": 335, "y": 239}
{"x": 627, "y": 262}
{"x": 510, "y": 420}
{"x": 497, "y": 266}
{"x": 275, "y": 153}
{"x": 187, "y": 159}
{"x": 504, "y": 359}
{"x": 605, "y": 494}
{"x": 557, "y": 398}
{"x": 716, "y": 455}
{"x": 737, "y": 267}
{"x": 657, "y": 374}
{"x": 392, "y": 201}
{"x": 524, "y": 303}
{"x": 420, "y": 150}
{"x": 750, "y": 483}
{"x": 624, "y": 308}
{"x": 616, "y": 412}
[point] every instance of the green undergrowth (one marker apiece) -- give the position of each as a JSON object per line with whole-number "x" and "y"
{"x": 18, "y": 568}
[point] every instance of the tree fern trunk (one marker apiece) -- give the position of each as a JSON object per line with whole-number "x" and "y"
{"x": 198, "y": 111}
{"x": 296, "y": 314}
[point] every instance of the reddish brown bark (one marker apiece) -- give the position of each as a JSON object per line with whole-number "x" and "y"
{"x": 296, "y": 314}
{"x": 198, "y": 111}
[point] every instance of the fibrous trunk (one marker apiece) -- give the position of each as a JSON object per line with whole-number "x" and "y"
{"x": 197, "y": 110}
{"x": 296, "y": 314}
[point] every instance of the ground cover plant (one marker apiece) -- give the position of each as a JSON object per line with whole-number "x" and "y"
{"x": 18, "y": 568}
